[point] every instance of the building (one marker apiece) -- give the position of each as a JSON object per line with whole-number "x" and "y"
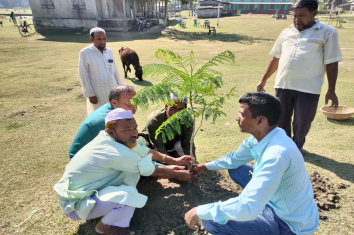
{"x": 208, "y": 8}
{"x": 112, "y": 15}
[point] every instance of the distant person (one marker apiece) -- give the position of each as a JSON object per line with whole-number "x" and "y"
{"x": 277, "y": 196}
{"x": 302, "y": 54}
{"x": 180, "y": 144}
{"x": 101, "y": 179}
{"x": 13, "y": 18}
{"x": 97, "y": 70}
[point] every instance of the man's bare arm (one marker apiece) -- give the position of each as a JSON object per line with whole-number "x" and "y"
{"x": 332, "y": 74}
{"x": 173, "y": 172}
{"x": 272, "y": 67}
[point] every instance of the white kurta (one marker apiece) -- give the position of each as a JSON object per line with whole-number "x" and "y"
{"x": 98, "y": 75}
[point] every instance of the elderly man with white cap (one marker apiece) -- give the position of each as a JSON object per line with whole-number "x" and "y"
{"x": 101, "y": 180}
{"x": 97, "y": 70}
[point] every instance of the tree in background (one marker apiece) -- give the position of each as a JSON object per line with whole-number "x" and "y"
{"x": 185, "y": 77}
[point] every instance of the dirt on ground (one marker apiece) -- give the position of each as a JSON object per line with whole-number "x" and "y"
{"x": 327, "y": 195}
{"x": 169, "y": 200}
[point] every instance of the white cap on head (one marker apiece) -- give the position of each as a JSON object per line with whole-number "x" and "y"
{"x": 117, "y": 114}
{"x": 175, "y": 98}
{"x": 96, "y": 30}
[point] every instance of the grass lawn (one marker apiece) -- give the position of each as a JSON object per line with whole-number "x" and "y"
{"x": 41, "y": 108}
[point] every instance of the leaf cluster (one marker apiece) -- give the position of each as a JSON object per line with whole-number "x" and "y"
{"x": 185, "y": 77}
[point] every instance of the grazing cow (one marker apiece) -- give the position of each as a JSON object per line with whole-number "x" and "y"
{"x": 129, "y": 57}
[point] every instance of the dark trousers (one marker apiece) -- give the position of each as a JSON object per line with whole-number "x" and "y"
{"x": 303, "y": 106}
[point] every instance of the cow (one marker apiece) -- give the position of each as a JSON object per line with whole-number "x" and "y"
{"x": 129, "y": 57}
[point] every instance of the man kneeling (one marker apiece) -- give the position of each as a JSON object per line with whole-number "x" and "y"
{"x": 100, "y": 181}
{"x": 277, "y": 196}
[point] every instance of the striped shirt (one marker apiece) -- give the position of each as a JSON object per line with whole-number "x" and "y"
{"x": 279, "y": 179}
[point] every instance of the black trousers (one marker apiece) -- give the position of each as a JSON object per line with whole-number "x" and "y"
{"x": 302, "y": 107}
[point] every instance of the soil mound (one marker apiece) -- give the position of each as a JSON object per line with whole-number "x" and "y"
{"x": 325, "y": 193}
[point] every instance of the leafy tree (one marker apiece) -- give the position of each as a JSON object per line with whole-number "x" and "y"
{"x": 185, "y": 77}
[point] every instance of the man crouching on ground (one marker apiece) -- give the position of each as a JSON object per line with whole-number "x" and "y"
{"x": 101, "y": 180}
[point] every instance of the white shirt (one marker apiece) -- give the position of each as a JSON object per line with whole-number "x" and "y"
{"x": 98, "y": 73}
{"x": 304, "y": 55}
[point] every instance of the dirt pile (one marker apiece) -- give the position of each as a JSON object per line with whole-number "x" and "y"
{"x": 325, "y": 193}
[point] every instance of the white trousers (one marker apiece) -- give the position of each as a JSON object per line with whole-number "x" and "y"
{"x": 114, "y": 214}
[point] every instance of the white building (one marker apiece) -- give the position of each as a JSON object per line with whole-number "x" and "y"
{"x": 112, "y": 15}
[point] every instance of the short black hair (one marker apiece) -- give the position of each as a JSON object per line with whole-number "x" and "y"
{"x": 116, "y": 91}
{"x": 263, "y": 104}
{"x": 311, "y": 5}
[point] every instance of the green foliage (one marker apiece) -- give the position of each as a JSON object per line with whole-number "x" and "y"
{"x": 185, "y": 77}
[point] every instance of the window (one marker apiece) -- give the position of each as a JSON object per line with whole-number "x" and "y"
{"x": 47, "y": 4}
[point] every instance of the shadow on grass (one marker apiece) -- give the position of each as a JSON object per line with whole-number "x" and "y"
{"x": 152, "y": 33}
{"x": 345, "y": 122}
{"x": 88, "y": 228}
{"x": 175, "y": 34}
{"x": 139, "y": 83}
{"x": 341, "y": 169}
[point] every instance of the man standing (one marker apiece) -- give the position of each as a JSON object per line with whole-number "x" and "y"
{"x": 97, "y": 70}
{"x": 302, "y": 54}
{"x": 101, "y": 180}
{"x": 178, "y": 146}
{"x": 277, "y": 196}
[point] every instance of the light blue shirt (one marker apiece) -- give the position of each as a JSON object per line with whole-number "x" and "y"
{"x": 279, "y": 179}
{"x": 108, "y": 169}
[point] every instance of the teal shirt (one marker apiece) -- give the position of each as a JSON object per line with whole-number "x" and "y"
{"x": 108, "y": 169}
{"x": 90, "y": 128}
{"x": 280, "y": 179}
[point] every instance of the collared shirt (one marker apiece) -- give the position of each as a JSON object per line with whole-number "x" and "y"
{"x": 108, "y": 169}
{"x": 90, "y": 128}
{"x": 304, "y": 56}
{"x": 279, "y": 179}
{"x": 98, "y": 73}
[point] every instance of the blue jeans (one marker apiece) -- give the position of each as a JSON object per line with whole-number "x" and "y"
{"x": 266, "y": 223}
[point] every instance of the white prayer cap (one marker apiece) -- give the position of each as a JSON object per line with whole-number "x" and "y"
{"x": 117, "y": 114}
{"x": 173, "y": 97}
{"x": 96, "y": 30}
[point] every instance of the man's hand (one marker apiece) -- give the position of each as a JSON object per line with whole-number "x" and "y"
{"x": 331, "y": 95}
{"x": 93, "y": 100}
{"x": 198, "y": 169}
{"x": 185, "y": 175}
{"x": 173, "y": 172}
{"x": 191, "y": 218}
{"x": 260, "y": 86}
{"x": 185, "y": 160}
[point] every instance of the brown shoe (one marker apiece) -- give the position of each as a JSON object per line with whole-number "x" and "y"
{"x": 104, "y": 229}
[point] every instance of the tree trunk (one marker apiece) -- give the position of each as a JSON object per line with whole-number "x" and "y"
{"x": 166, "y": 13}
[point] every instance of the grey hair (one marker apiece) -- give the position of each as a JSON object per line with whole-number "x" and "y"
{"x": 116, "y": 91}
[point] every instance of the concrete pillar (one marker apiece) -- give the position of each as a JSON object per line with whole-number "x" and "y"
{"x": 104, "y": 9}
{"x": 124, "y": 10}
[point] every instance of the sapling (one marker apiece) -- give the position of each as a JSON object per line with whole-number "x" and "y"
{"x": 184, "y": 77}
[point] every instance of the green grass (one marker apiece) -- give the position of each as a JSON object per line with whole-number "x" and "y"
{"x": 41, "y": 108}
